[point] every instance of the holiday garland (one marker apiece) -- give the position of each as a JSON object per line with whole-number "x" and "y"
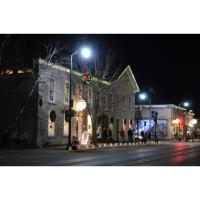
{"x": 86, "y": 78}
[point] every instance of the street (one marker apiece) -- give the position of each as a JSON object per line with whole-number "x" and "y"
{"x": 167, "y": 154}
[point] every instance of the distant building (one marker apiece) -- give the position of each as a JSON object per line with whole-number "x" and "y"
{"x": 172, "y": 122}
{"x": 44, "y": 118}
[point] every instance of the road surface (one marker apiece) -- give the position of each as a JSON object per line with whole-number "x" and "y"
{"x": 171, "y": 154}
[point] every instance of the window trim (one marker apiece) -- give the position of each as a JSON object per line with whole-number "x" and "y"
{"x": 54, "y": 94}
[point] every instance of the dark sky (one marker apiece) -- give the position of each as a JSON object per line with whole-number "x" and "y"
{"x": 168, "y": 63}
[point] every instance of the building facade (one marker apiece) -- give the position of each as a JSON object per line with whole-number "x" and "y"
{"x": 101, "y": 104}
{"x": 172, "y": 121}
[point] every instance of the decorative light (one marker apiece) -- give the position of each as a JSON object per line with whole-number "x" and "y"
{"x": 81, "y": 105}
{"x": 193, "y": 121}
{"x": 176, "y": 121}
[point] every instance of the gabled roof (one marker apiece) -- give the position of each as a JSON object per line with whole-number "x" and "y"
{"x": 131, "y": 78}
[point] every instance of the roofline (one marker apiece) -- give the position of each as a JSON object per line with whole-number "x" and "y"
{"x": 164, "y": 106}
{"x": 64, "y": 69}
{"x": 128, "y": 67}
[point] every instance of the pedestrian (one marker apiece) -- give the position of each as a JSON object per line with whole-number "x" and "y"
{"x": 156, "y": 139}
{"x": 149, "y": 136}
{"x": 145, "y": 137}
{"x": 130, "y": 135}
{"x": 142, "y": 134}
{"x": 122, "y": 135}
{"x": 133, "y": 135}
{"x": 104, "y": 135}
{"x": 99, "y": 134}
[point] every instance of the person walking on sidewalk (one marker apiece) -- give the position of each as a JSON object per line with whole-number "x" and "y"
{"x": 109, "y": 136}
{"x": 104, "y": 136}
{"x": 156, "y": 139}
{"x": 149, "y": 136}
{"x": 142, "y": 134}
{"x": 130, "y": 135}
{"x": 99, "y": 134}
{"x": 122, "y": 135}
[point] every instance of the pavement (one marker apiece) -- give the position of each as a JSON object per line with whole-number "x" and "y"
{"x": 115, "y": 145}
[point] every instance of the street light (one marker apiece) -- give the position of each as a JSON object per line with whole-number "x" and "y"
{"x": 86, "y": 53}
{"x": 141, "y": 96}
{"x": 186, "y": 104}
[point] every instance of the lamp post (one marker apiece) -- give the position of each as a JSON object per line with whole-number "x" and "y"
{"x": 185, "y": 104}
{"x": 142, "y": 96}
{"x": 86, "y": 54}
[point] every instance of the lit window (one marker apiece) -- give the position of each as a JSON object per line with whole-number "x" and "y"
{"x": 51, "y": 90}
{"x": 90, "y": 96}
{"x": 66, "y": 127}
{"x": 29, "y": 70}
{"x": 8, "y": 71}
{"x": 20, "y": 71}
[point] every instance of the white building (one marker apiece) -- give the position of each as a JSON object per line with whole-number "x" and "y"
{"x": 168, "y": 114}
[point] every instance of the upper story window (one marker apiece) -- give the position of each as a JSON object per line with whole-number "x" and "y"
{"x": 51, "y": 90}
{"x": 103, "y": 101}
{"x": 123, "y": 102}
{"x": 66, "y": 93}
{"x": 110, "y": 102}
{"x": 20, "y": 71}
{"x": 129, "y": 103}
{"x": 8, "y": 71}
{"x": 90, "y": 96}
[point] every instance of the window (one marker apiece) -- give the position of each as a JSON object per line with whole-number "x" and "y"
{"x": 117, "y": 101}
{"x": 66, "y": 93}
{"x": 103, "y": 101}
{"x": 51, "y": 90}
{"x": 110, "y": 102}
{"x": 51, "y": 123}
{"x": 129, "y": 103}
{"x": 66, "y": 127}
{"x": 8, "y": 71}
{"x": 123, "y": 102}
{"x": 90, "y": 96}
{"x": 20, "y": 71}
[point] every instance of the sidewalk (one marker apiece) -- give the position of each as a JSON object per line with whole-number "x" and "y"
{"x": 115, "y": 145}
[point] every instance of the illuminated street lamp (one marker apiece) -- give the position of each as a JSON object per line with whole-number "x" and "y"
{"x": 185, "y": 104}
{"x": 142, "y": 96}
{"x": 86, "y": 53}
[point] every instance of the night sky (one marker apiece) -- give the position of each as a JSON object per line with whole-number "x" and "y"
{"x": 167, "y": 63}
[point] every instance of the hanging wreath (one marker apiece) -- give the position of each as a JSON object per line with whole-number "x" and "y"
{"x": 86, "y": 78}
